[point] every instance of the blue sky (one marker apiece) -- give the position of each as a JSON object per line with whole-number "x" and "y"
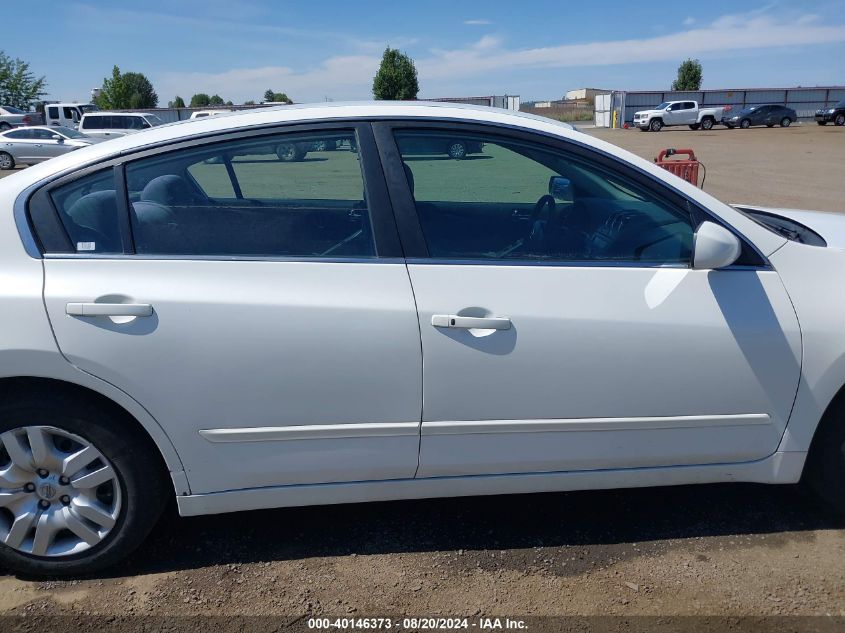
{"x": 314, "y": 50}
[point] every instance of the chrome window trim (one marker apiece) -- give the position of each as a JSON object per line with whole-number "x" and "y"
{"x": 226, "y": 258}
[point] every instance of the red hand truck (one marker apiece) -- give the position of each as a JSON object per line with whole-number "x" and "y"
{"x": 686, "y": 169}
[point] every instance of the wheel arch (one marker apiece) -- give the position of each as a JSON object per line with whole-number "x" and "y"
{"x": 126, "y": 410}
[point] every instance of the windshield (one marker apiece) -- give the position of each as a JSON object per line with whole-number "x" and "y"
{"x": 89, "y": 107}
{"x": 749, "y": 110}
{"x": 152, "y": 119}
{"x": 662, "y": 106}
{"x": 12, "y": 110}
{"x": 841, "y": 104}
{"x": 67, "y": 132}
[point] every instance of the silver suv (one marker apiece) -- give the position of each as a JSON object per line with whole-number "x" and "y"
{"x": 110, "y": 124}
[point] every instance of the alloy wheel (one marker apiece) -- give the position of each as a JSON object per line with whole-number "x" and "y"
{"x": 58, "y": 494}
{"x": 457, "y": 150}
{"x": 839, "y": 120}
{"x": 6, "y": 161}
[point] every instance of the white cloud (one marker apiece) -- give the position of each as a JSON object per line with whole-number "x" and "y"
{"x": 689, "y": 21}
{"x": 350, "y": 77}
{"x": 478, "y": 22}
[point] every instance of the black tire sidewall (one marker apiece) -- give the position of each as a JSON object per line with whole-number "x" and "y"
{"x": 142, "y": 484}
{"x": 11, "y": 158}
{"x": 825, "y": 469}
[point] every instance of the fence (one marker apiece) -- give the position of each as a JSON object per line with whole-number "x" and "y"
{"x": 171, "y": 115}
{"x": 805, "y": 101}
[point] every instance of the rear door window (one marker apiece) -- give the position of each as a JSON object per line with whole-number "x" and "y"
{"x": 88, "y": 210}
{"x": 284, "y": 195}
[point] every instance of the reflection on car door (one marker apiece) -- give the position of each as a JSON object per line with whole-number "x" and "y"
{"x": 273, "y": 332}
{"x": 577, "y": 337}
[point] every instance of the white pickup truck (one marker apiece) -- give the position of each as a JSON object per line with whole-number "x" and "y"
{"x": 678, "y": 113}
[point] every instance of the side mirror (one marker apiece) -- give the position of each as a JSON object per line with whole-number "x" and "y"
{"x": 560, "y": 188}
{"x": 714, "y": 247}
{"x": 58, "y": 137}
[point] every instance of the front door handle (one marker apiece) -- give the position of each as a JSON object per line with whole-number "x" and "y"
{"x": 110, "y": 309}
{"x": 470, "y": 323}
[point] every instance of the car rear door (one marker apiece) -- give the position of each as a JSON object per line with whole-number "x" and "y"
{"x": 259, "y": 309}
{"x": 576, "y": 336}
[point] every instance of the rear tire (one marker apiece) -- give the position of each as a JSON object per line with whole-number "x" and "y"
{"x": 707, "y": 124}
{"x": 457, "y": 150}
{"x": 824, "y": 473}
{"x": 6, "y": 161}
{"x": 136, "y": 470}
{"x": 785, "y": 122}
{"x": 5, "y": 126}
{"x": 656, "y": 125}
{"x": 289, "y": 152}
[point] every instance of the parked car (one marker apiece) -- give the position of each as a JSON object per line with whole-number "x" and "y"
{"x": 110, "y": 124}
{"x": 251, "y": 334}
{"x": 835, "y": 114}
{"x": 768, "y": 115}
{"x": 67, "y": 114}
{"x": 15, "y": 117}
{"x": 456, "y": 148}
{"x": 671, "y": 113}
{"x": 201, "y": 114}
{"x": 31, "y": 145}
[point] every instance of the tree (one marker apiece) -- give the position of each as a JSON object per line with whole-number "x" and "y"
{"x": 200, "y": 100}
{"x": 141, "y": 93}
{"x": 250, "y": 102}
{"x": 18, "y": 86}
{"x": 216, "y": 100}
{"x": 689, "y": 76}
{"x": 115, "y": 93}
{"x": 178, "y": 102}
{"x": 126, "y": 90}
{"x": 276, "y": 97}
{"x": 396, "y": 78}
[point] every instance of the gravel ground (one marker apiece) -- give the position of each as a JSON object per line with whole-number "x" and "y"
{"x": 727, "y": 550}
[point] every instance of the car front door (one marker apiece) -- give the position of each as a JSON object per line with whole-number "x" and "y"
{"x": 45, "y": 145}
{"x": 562, "y": 325}
{"x": 674, "y": 114}
{"x": 259, "y": 309}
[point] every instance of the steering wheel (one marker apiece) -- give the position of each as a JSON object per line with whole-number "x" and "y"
{"x": 535, "y": 229}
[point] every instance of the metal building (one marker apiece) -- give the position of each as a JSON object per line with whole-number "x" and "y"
{"x": 805, "y": 101}
{"x": 508, "y": 102}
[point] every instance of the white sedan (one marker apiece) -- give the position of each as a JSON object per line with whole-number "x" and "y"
{"x": 185, "y": 315}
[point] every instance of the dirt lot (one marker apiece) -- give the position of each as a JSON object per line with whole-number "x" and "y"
{"x": 739, "y": 550}
{"x": 795, "y": 167}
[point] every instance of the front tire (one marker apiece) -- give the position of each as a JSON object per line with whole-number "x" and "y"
{"x": 745, "y": 124}
{"x": 785, "y": 122}
{"x": 79, "y": 489}
{"x": 656, "y": 125}
{"x": 6, "y": 161}
{"x": 5, "y": 126}
{"x": 822, "y": 122}
{"x": 824, "y": 473}
{"x": 694, "y": 126}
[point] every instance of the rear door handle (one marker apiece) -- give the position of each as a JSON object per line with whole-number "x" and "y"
{"x": 110, "y": 309}
{"x": 470, "y": 323}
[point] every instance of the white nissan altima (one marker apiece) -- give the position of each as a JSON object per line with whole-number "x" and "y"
{"x": 185, "y": 314}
